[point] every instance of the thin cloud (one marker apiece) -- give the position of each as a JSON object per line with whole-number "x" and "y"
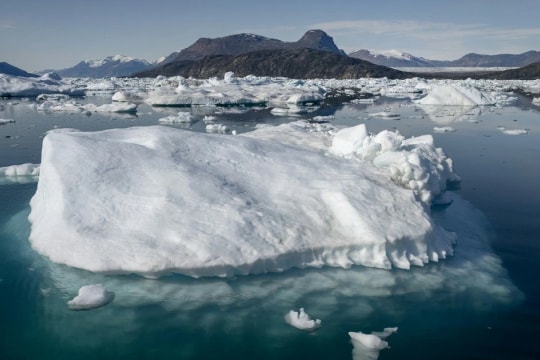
{"x": 4, "y": 24}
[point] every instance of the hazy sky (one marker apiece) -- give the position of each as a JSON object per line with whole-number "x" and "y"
{"x": 45, "y": 34}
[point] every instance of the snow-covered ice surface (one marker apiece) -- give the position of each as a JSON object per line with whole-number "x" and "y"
{"x": 300, "y": 320}
{"x": 46, "y": 84}
{"x": 154, "y": 200}
{"x": 91, "y": 297}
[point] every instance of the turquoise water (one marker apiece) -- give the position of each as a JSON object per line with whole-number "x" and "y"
{"x": 482, "y": 303}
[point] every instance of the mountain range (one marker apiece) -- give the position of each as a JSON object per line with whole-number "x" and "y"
{"x": 301, "y": 63}
{"x": 395, "y": 58}
{"x": 254, "y": 54}
{"x": 111, "y": 66}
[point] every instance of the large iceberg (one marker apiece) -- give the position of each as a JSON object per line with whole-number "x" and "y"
{"x": 156, "y": 200}
{"x": 456, "y": 94}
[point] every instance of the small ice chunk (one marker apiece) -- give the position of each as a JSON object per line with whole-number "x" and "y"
{"x": 443, "y": 129}
{"x": 91, "y": 297}
{"x": 217, "y": 128}
{"x": 512, "y": 131}
{"x": 180, "y": 118}
{"x": 386, "y": 115}
{"x": 6, "y": 121}
{"x": 368, "y": 346}
{"x": 301, "y": 320}
{"x": 22, "y": 174}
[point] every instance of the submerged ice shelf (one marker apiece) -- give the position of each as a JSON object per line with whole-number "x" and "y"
{"x": 153, "y": 200}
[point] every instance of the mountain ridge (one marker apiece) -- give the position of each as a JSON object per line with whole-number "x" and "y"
{"x": 6, "y": 68}
{"x": 111, "y": 66}
{"x": 237, "y": 44}
{"x": 289, "y": 63}
{"x": 395, "y": 58}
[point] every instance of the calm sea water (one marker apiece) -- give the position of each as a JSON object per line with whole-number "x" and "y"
{"x": 484, "y": 303}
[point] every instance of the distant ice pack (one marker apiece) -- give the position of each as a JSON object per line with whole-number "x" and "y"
{"x": 156, "y": 200}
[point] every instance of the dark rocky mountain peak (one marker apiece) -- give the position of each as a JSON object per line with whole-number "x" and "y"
{"x": 244, "y": 43}
{"x": 9, "y": 69}
{"x": 318, "y": 39}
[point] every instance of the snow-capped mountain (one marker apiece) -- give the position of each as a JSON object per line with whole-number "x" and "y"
{"x": 117, "y": 65}
{"x": 391, "y": 58}
{"x": 396, "y": 58}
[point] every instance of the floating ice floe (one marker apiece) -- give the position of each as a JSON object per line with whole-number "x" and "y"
{"x": 6, "y": 121}
{"x": 66, "y": 105}
{"x": 91, "y": 297}
{"x": 536, "y": 101}
{"x": 124, "y": 96}
{"x": 368, "y": 346}
{"x": 155, "y": 200}
{"x": 512, "y": 131}
{"x": 301, "y": 320}
{"x": 217, "y": 128}
{"x": 21, "y": 174}
{"x": 386, "y": 115}
{"x": 180, "y": 118}
{"x": 443, "y": 129}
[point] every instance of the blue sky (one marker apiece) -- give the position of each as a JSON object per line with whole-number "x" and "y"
{"x": 39, "y": 34}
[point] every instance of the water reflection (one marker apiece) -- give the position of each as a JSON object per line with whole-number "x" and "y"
{"x": 334, "y": 295}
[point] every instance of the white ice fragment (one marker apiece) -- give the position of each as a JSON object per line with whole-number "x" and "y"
{"x": 112, "y": 108}
{"x": 368, "y": 346}
{"x": 124, "y": 96}
{"x": 386, "y": 115}
{"x": 512, "y": 131}
{"x": 180, "y": 118}
{"x": 217, "y": 128}
{"x": 301, "y": 320}
{"x": 6, "y": 121}
{"x": 443, "y": 129}
{"x": 536, "y": 101}
{"x": 22, "y": 174}
{"x": 91, "y": 297}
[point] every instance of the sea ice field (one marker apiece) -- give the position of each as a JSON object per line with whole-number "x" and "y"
{"x": 269, "y": 218}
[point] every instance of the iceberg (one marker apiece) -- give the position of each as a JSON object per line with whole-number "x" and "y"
{"x": 155, "y": 200}
{"x": 91, "y": 297}
{"x": 455, "y": 94}
{"x": 301, "y": 320}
